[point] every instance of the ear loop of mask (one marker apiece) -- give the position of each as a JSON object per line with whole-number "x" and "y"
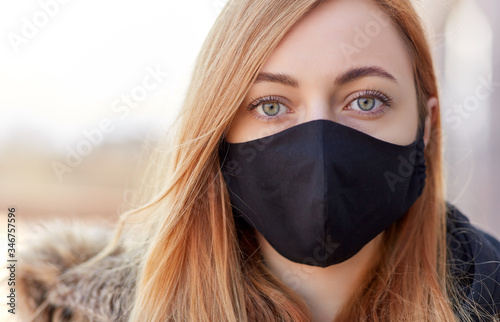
{"x": 421, "y": 129}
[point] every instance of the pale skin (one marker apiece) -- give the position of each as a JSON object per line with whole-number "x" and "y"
{"x": 370, "y": 88}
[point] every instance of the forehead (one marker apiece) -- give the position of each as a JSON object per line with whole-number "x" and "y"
{"x": 338, "y": 35}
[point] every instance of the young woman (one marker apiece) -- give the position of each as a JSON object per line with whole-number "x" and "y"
{"x": 305, "y": 185}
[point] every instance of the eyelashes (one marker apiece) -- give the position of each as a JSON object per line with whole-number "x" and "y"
{"x": 382, "y": 103}
{"x": 261, "y": 115}
{"x": 373, "y": 93}
{"x": 264, "y": 99}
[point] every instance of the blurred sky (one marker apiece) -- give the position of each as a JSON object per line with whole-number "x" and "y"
{"x": 88, "y": 54}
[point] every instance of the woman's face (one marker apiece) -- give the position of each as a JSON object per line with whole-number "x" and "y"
{"x": 344, "y": 62}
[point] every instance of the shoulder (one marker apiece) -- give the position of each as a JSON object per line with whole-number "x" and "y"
{"x": 54, "y": 285}
{"x": 474, "y": 259}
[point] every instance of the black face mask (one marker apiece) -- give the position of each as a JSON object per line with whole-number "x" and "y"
{"x": 319, "y": 191}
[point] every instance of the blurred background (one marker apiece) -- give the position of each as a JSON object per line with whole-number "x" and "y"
{"x": 85, "y": 86}
{"x": 466, "y": 45}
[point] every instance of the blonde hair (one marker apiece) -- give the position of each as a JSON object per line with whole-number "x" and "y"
{"x": 194, "y": 264}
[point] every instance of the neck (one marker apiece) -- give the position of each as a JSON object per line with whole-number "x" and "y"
{"x": 325, "y": 290}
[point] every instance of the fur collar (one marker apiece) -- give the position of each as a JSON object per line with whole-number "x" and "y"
{"x": 52, "y": 285}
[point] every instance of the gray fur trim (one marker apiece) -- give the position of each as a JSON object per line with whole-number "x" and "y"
{"x": 53, "y": 285}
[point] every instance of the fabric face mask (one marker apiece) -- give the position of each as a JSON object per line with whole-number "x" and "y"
{"x": 319, "y": 191}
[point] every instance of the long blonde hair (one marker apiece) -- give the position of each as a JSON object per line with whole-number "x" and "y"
{"x": 193, "y": 263}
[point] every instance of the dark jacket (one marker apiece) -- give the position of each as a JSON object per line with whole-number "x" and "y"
{"x": 475, "y": 263}
{"x": 52, "y": 281}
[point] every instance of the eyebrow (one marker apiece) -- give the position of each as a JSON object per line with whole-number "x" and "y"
{"x": 347, "y": 77}
{"x": 360, "y": 72}
{"x": 277, "y": 78}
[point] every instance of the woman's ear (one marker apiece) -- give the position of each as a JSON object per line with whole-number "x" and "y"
{"x": 432, "y": 110}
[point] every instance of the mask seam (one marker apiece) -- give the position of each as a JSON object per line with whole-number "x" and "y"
{"x": 325, "y": 196}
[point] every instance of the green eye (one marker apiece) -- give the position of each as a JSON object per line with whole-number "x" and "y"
{"x": 271, "y": 109}
{"x": 366, "y": 103}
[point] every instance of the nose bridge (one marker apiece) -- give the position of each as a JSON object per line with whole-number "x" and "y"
{"x": 319, "y": 108}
